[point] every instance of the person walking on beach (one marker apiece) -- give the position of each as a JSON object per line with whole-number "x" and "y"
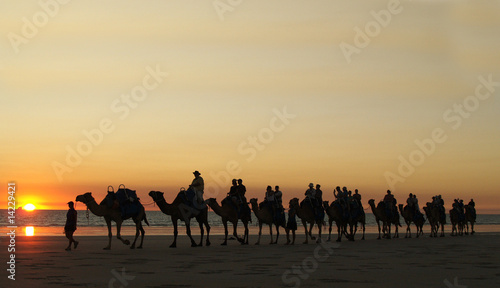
{"x": 70, "y": 226}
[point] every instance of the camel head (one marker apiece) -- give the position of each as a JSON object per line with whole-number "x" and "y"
{"x": 156, "y": 195}
{"x": 253, "y": 201}
{"x": 211, "y": 202}
{"x": 326, "y": 204}
{"x": 371, "y": 202}
{"x": 401, "y": 208}
{"x": 294, "y": 202}
{"x": 85, "y": 198}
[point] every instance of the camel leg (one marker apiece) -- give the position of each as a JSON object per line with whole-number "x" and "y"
{"x": 344, "y": 230}
{"x": 351, "y": 230}
{"x": 339, "y": 233}
{"x": 277, "y": 234}
{"x": 207, "y": 226}
{"x": 355, "y": 230}
{"x": 202, "y": 232}
{"x": 378, "y": 224}
{"x": 287, "y": 231}
{"x": 329, "y": 231}
{"x": 188, "y": 232}
{"x": 310, "y": 231}
{"x": 235, "y": 233}
{"x": 142, "y": 235}
{"x": 260, "y": 233}
{"x": 136, "y": 235}
{"x": 245, "y": 239}
{"x": 174, "y": 244}
{"x": 319, "y": 233}
{"x": 363, "y": 223}
{"x": 271, "y": 233}
{"x": 305, "y": 228}
{"x": 203, "y": 220}
{"x": 110, "y": 235}
{"x": 118, "y": 234}
{"x": 389, "y": 230}
{"x": 225, "y": 232}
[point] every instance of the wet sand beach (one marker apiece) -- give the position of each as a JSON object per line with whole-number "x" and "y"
{"x": 469, "y": 261}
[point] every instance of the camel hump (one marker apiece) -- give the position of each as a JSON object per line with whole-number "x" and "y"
{"x": 128, "y": 201}
{"x": 126, "y": 195}
{"x": 187, "y": 196}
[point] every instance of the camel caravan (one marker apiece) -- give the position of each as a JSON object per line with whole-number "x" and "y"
{"x": 346, "y": 211}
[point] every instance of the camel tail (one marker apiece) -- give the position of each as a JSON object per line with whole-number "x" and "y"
{"x": 145, "y": 219}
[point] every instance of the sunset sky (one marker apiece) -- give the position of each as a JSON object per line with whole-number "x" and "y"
{"x": 262, "y": 91}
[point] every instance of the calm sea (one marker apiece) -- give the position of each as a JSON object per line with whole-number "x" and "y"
{"x": 51, "y": 222}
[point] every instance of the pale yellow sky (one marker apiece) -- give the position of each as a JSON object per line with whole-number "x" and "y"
{"x": 226, "y": 78}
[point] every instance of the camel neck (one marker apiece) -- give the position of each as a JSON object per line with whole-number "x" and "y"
{"x": 96, "y": 209}
{"x": 299, "y": 211}
{"x": 217, "y": 209}
{"x": 165, "y": 207}
{"x": 255, "y": 207}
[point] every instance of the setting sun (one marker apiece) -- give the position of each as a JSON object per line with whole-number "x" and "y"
{"x": 29, "y": 207}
